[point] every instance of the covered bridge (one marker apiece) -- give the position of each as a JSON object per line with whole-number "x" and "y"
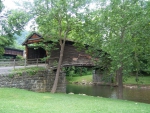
{"x": 72, "y": 56}
{"x": 11, "y": 52}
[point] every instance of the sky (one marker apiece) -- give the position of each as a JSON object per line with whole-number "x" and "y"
{"x": 9, "y": 4}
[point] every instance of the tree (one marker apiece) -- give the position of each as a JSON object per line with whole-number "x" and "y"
{"x": 12, "y": 22}
{"x": 56, "y": 20}
{"x": 2, "y": 39}
{"x": 123, "y": 27}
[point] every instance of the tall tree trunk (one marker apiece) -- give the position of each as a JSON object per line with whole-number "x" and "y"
{"x": 62, "y": 46}
{"x": 120, "y": 70}
{"x": 137, "y": 66}
{"x": 120, "y": 83}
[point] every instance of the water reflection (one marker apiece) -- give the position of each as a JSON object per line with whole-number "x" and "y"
{"x": 137, "y": 94}
{"x": 133, "y": 94}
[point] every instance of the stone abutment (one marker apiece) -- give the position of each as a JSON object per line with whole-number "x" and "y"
{"x": 42, "y": 81}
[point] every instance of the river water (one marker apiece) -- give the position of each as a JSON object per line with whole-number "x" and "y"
{"x": 129, "y": 93}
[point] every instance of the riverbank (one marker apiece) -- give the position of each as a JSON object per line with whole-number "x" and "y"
{"x": 144, "y": 81}
{"x": 21, "y": 101}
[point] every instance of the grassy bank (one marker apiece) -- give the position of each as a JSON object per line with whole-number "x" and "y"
{"x": 142, "y": 80}
{"x": 130, "y": 80}
{"x": 74, "y": 79}
{"x": 21, "y": 101}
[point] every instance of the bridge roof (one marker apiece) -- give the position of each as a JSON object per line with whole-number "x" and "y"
{"x": 36, "y": 37}
{"x": 33, "y": 38}
{"x": 14, "y": 49}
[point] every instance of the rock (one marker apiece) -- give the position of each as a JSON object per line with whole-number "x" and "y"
{"x": 84, "y": 82}
{"x": 90, "y": 83}
{"x": 71, "y": 93}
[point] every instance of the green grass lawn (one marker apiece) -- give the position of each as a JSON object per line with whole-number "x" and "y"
{"x": 130, "y": 80}
{"x": 142, "y": 80}
{"x": 73, "y": 79}
{"x": 21, "y": 101}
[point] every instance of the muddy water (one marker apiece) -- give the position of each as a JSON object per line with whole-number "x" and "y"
{"x": 129, "y": 93}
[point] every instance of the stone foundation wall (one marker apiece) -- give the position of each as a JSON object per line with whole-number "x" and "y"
{"x": 99, "y": 77}
{"x": 42, "y": 81}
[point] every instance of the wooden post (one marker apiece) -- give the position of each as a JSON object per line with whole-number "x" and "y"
{"x": 25, "y": 63}
{"x": 37, "y": 62}
{"x": 14, "y": 63}
{"x": 45, "y": 63}
{"x": 26, "y": 48}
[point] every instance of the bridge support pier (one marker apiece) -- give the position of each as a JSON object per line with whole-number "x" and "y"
{"x": 97, "y": 76}
{"x": 101, "y": 77}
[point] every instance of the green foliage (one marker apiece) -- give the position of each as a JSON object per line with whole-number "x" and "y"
{"x": 57, "y": 18}
{"x": 19, "y": 57}
{"x": 120, "y": 29}
{"x": 1, "y": 51}
{"x": 76, "y": 71}
{"x": 12, "y": 22}
{"x": 12, "y": 75}
{"x": 1, "y": 5}
{"x": 17, "y": 20}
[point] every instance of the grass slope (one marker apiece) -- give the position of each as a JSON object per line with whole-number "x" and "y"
{"x": 142, "y": 80}
{"x": 22, "y": 101}
{"x": 130, "y": 80}
{"x": 71, "y": 79}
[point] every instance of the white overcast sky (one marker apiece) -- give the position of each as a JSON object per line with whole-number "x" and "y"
{"x": 9, "y": 4}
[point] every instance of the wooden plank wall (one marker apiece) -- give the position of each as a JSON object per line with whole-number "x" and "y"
{"x": 71, "y": 55}
{"x": 10, "y": 51}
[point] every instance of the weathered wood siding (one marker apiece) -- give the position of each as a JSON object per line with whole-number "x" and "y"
{"x": 10, "y": 51}
{"x": 34, "y": 39}
{"x": 71, "y": 56}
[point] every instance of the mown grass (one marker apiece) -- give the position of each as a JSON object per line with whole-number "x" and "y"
{"x": 145, "y": 80}
{"x": 142, "y": 80}
{"x": 74, "y": 79}
{"x": 21, "y": 101}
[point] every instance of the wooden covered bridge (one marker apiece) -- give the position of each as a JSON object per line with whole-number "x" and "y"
{"x": 44, "y": 80}
{"x": 11, "y": 52}
{"x": 72, "y": 56}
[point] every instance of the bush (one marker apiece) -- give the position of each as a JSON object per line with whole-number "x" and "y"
{"x": 19, "y": 57}
{"x": 76, "y": 71}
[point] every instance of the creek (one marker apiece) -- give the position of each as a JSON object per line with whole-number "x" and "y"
{"x": 129, "y": 93}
